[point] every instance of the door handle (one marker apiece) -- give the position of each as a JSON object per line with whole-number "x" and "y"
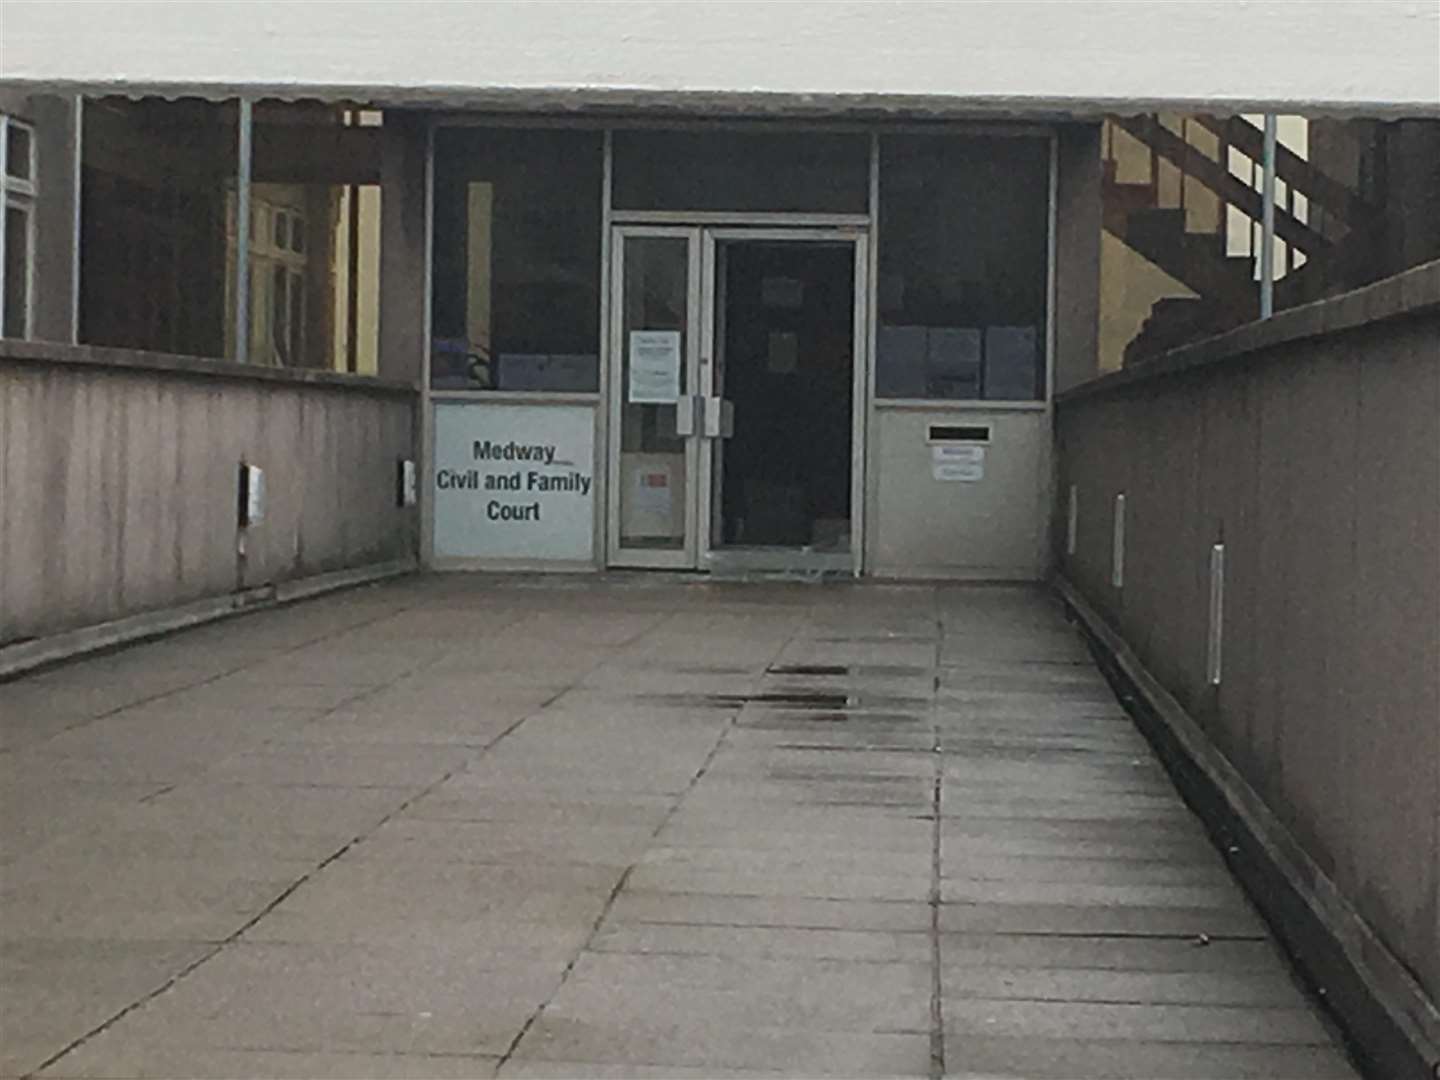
{"x": 719, "y": 418}
{"x": 686, "y": 409}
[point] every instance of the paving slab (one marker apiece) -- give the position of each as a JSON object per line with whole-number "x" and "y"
{"x": 798, "y": 942}
{"x": 639, "y": 825}
{"x": 1067, "y": 952}
{"x": 1147, "y": 1022}
{"x": 698, "y": 1043}
{"x": 1274, "y": 989}
{"x": 372, "y": 999}
{"x": 107, "y": 1059}
{"x": 54, "y": 991}
{"x": 998, "y": 1058}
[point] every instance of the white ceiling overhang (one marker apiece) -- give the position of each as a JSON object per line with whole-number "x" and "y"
{"x": 802, "y": 57}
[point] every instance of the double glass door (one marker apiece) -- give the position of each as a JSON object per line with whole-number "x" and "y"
{"x": 709, "y": 450}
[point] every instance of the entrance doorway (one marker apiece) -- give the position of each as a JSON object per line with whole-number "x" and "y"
{"x": 737, "y": 376}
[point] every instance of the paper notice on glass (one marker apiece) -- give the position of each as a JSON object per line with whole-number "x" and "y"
{"x": 652, "y": 493}
{"x": 783, "y": 353}
{"x": 654, "y": 367}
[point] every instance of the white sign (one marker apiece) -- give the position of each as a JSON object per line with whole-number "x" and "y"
{"x": 654, "y": 367}
{"x": 955, "y": 454}
{"x": 514, "y": 481}
{"x": 958, "y": 471}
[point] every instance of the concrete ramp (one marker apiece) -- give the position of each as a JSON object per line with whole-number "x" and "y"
{"x": 467, "y": 826}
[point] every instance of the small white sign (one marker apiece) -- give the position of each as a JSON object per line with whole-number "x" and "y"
{"x": 955, "y": 454}
{"x": 254, "y": 481}
{"x": 654, "y": 367}
{"x": 951, "y": 472}
{"x": 407, "y": 482}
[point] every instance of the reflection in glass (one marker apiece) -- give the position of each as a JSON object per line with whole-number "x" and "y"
{"x": 963, "y": 271}
{"x": 517, "y": 260}
{"x": 818, "y": 172}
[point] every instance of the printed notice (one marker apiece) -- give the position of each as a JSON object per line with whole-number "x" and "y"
{"x": 950, "y": 454}
{"x": 654, "y": 367}
{"x": 957, "y": 464}
{"x": 951, "y": 472}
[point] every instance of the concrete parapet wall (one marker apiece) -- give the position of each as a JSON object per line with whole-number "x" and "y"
{"x": 119, "y": 476}
{"x": 1309, "y": 445}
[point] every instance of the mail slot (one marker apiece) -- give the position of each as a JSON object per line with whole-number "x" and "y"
{"x": 957, "y": 433}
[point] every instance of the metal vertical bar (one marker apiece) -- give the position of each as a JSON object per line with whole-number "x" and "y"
{"x": 1217, "y": 614}
{"x": 1072, "y": 520}
{"x": 1117, "y": 544}
{"x": 425, "y": 451}
{"x": 862, "y": 408}
{"x": 77, "y": 191}
{"x": 605, "y": 490}
{"x": 352, "y": 278}
{"x": 1267, "y": 222}
{"x": 4, "y": 208}
{"x": 242, "y": 233}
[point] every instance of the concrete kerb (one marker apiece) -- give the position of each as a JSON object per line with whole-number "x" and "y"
{"x": 26, "y": 656}
{"x": 1387, "y": 1018}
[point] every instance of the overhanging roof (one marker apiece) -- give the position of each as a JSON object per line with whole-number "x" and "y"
{"x": 802, "y": 57}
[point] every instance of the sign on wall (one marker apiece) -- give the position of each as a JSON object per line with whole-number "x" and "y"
{"x": 514, "y": 481}
{"x": 957, "y": 464}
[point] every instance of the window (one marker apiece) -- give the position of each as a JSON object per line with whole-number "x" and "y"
{"x": 721, "y": 169}
{"x": 155, "y": 261}
{"x": 315, "y": 206}
{"x": 963, "y": 267}
{"x": 17, "y": 227}
{"x": 278, "y": 265}
{"x": 516, "y": 276}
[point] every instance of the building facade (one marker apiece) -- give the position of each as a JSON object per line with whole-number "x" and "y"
{"x": 717, "y": 287}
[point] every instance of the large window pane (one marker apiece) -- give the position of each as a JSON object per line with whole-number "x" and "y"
{"x": 742, "y": 171}
{"x": 963, "y": 253}
{"x": 314, "y": 238}
{"x": 159, "y": 178}
{"x": 19, "y": 152}
{"x": 17, "y": 273}
{"x": 517, "y": 260}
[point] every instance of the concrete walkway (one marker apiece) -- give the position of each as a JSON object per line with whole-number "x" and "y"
{"x": 455, "y": 827}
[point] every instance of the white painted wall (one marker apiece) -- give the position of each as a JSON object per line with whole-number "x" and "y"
{"x": 1344, "y": 54}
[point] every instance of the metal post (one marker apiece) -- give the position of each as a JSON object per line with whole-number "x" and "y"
{"x": 1267, "y": 222}
{"x": 77, "y": 191}
{"x": 4, "y": 217}
{"x": 242, "y": 235}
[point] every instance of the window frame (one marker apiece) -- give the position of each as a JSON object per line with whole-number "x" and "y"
{"x": 275, "y": 334}
{"x": 1045, "y": 337}
{"x": 18, "y": 193}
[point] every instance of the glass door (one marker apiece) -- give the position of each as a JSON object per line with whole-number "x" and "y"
{"x": 655, "y": 380}
{"x": 782, "y": 356}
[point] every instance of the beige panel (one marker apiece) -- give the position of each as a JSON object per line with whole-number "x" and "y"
{"x": 121, "y": 487}
{"x": 1077, "y": 253}
{"x": 1317, "y": 460}
{"x": 994, "y": 528}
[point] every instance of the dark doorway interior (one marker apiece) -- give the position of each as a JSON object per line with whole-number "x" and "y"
{"x": 786, "y": 336}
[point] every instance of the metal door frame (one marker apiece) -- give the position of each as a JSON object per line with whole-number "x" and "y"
{"x": 770, "y": 559}
{"x": 698, "y": 552}
{"x": 687, "y": 556}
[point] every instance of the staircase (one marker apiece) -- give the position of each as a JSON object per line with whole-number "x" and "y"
{"x": 1151, "y": 218}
